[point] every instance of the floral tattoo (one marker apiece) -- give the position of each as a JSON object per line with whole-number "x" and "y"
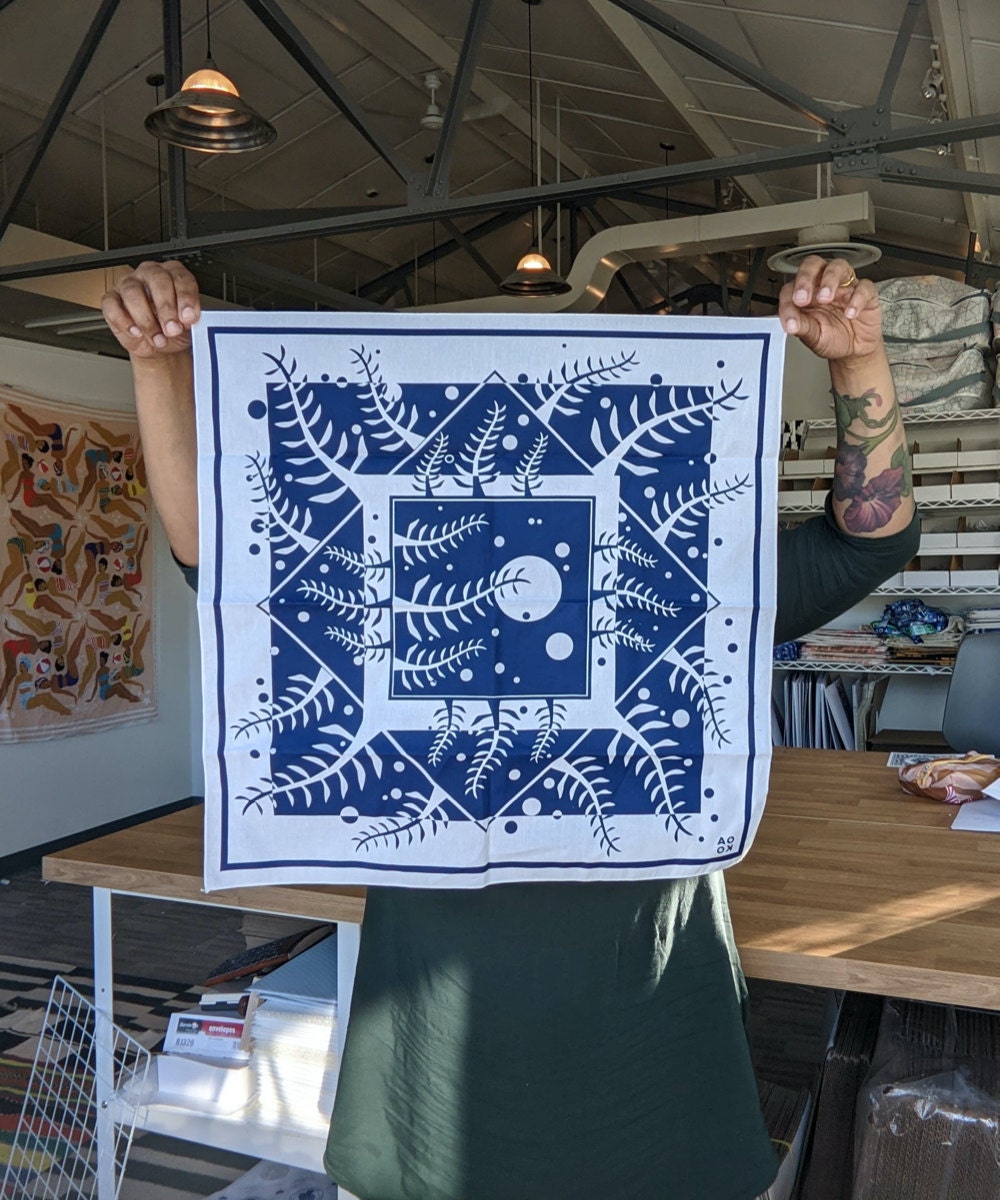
{"x": 864, "y": 424}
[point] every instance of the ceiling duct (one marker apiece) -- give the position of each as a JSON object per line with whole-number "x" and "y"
{"x": 682, "y": 237}
{"x": 828, "y": 241}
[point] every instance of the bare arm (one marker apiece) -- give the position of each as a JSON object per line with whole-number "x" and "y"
{"x": 838, "y": 317}
{"x": 151, "y": 312}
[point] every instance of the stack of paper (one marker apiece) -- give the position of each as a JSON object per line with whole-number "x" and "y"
{"x": 817, "y": 712}
{"x": 293, "y": 1038}
{"x": 842, "y": 645}
{"x": 786, "y": 1114}
{"x": 979, "y": 620}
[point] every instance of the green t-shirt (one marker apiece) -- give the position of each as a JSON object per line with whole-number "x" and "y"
{"x": 570, "y": 1041}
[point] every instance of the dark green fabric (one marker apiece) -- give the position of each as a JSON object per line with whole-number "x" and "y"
{"x": 546, "y": 1042}
{"x": 823, "y": 571}
{"x": 570, "y": 1041}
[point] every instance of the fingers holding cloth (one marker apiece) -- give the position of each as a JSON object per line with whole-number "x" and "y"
{"x": 831, "y": 311}
{"x": 151, "y": 310}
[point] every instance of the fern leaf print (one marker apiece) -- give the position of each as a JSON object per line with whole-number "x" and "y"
{"x": 484, "y": 599}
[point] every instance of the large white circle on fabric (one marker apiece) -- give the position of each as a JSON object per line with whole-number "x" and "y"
{"x": 535, "y": 588}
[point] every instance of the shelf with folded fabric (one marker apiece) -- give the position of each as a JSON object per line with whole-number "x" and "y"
{"x": 861, "y": 667}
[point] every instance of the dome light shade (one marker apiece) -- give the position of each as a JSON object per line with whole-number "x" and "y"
{"x": 533, "y": 261}
{"x": 209, "y": 78}
{"x": 534, "y": 276}
{"x": 209, "y": 115}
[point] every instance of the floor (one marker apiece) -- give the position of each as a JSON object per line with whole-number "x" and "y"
{"x": 53, "y": 921}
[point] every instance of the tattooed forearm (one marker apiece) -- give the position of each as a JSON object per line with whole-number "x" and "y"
{"x": 872, "y": 479}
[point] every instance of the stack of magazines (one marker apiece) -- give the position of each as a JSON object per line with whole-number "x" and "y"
{"x": 855, "y": 646}
{"x": 292, "y": 1021}
{"x": 982, "y": 620}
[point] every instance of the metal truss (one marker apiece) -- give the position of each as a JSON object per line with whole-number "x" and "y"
{"x": 859, "y": 143}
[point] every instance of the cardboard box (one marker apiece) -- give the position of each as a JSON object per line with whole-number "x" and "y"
{"x": 915, "y": 580}
{"x": 936, "y": 543}
{"x": 807, "y": 468}
{"x": 985, "y": 540}
{"x": 794, "y": 499}
{"x": 978, "y": 458}
{"x": 939, "y": 460}
{"x": 932, "y": 491}
{"x": 968, "y": 578}
{"x": 989, "y": 490}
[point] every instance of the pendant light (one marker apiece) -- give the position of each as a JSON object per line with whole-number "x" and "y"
{"x": 533, "y": 275}
{"x": 208, "y": 114}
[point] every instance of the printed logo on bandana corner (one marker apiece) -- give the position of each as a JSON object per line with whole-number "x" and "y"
{"x": 487, "y": 600}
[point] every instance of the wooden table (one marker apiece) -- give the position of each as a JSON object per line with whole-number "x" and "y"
{"x": 850, "y": 884}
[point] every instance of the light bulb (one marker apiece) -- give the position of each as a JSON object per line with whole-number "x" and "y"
{"x": 210, "y": 80}
{"x": 931, "y": 86}
{"x": 533, "y": 261}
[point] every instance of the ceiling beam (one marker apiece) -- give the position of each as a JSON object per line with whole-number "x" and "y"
{"x": 289, "y": 283}
{"x": 913, "y": 137}
{"x": 635, "y": 39}
{"x": 436, "y": 49}
{"x": 895, "y": 170}
{"x": 473, "y": 252}
{"x": 57, "y": 109}
{"x": 949, "y": 30}
{"x": 899, "y": 48}
{"x": 395, "y": 278}
{"x": 173, "y": 71}
{"x": 437, "y": 184}
{"x": 416, "y": 214}
{"x": 863, "y": 158}
{"x": 298, "y": 46}
{"x": 717, "y": 54}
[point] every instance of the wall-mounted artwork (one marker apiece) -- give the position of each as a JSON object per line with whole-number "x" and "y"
{"x": 75, "y": 570}
{"x": 484, "y": 599}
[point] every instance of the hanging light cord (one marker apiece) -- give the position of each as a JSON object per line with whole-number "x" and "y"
{"x": 531, "y": 128}
{"x": 208, "y": 31}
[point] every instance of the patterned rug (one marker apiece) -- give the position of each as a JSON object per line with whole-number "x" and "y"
{"x": 159, "y": 1168}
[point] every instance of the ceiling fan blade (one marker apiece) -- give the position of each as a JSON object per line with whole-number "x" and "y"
{"x": 484, "y": 109}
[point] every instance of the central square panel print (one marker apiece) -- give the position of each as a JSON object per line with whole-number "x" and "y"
{"x": 491, "y": 598}
{"x": 511, "y": 622}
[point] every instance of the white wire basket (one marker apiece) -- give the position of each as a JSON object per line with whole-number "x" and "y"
{"x": 75, "y": 1129}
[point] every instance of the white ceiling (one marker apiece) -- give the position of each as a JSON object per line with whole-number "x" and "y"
{"x": 612, "y": 88}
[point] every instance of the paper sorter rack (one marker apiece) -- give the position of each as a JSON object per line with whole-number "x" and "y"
{"x": 69, "y": 1144}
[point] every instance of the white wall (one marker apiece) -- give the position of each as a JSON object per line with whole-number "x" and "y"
{"x": 51, "y": 789}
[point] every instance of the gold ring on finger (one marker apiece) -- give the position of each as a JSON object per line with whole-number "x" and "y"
{"x": 849, "y": 282}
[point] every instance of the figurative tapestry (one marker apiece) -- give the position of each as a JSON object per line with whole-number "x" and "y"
{"x": 75, "y": 578}
{"x": 484, "y": 599}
